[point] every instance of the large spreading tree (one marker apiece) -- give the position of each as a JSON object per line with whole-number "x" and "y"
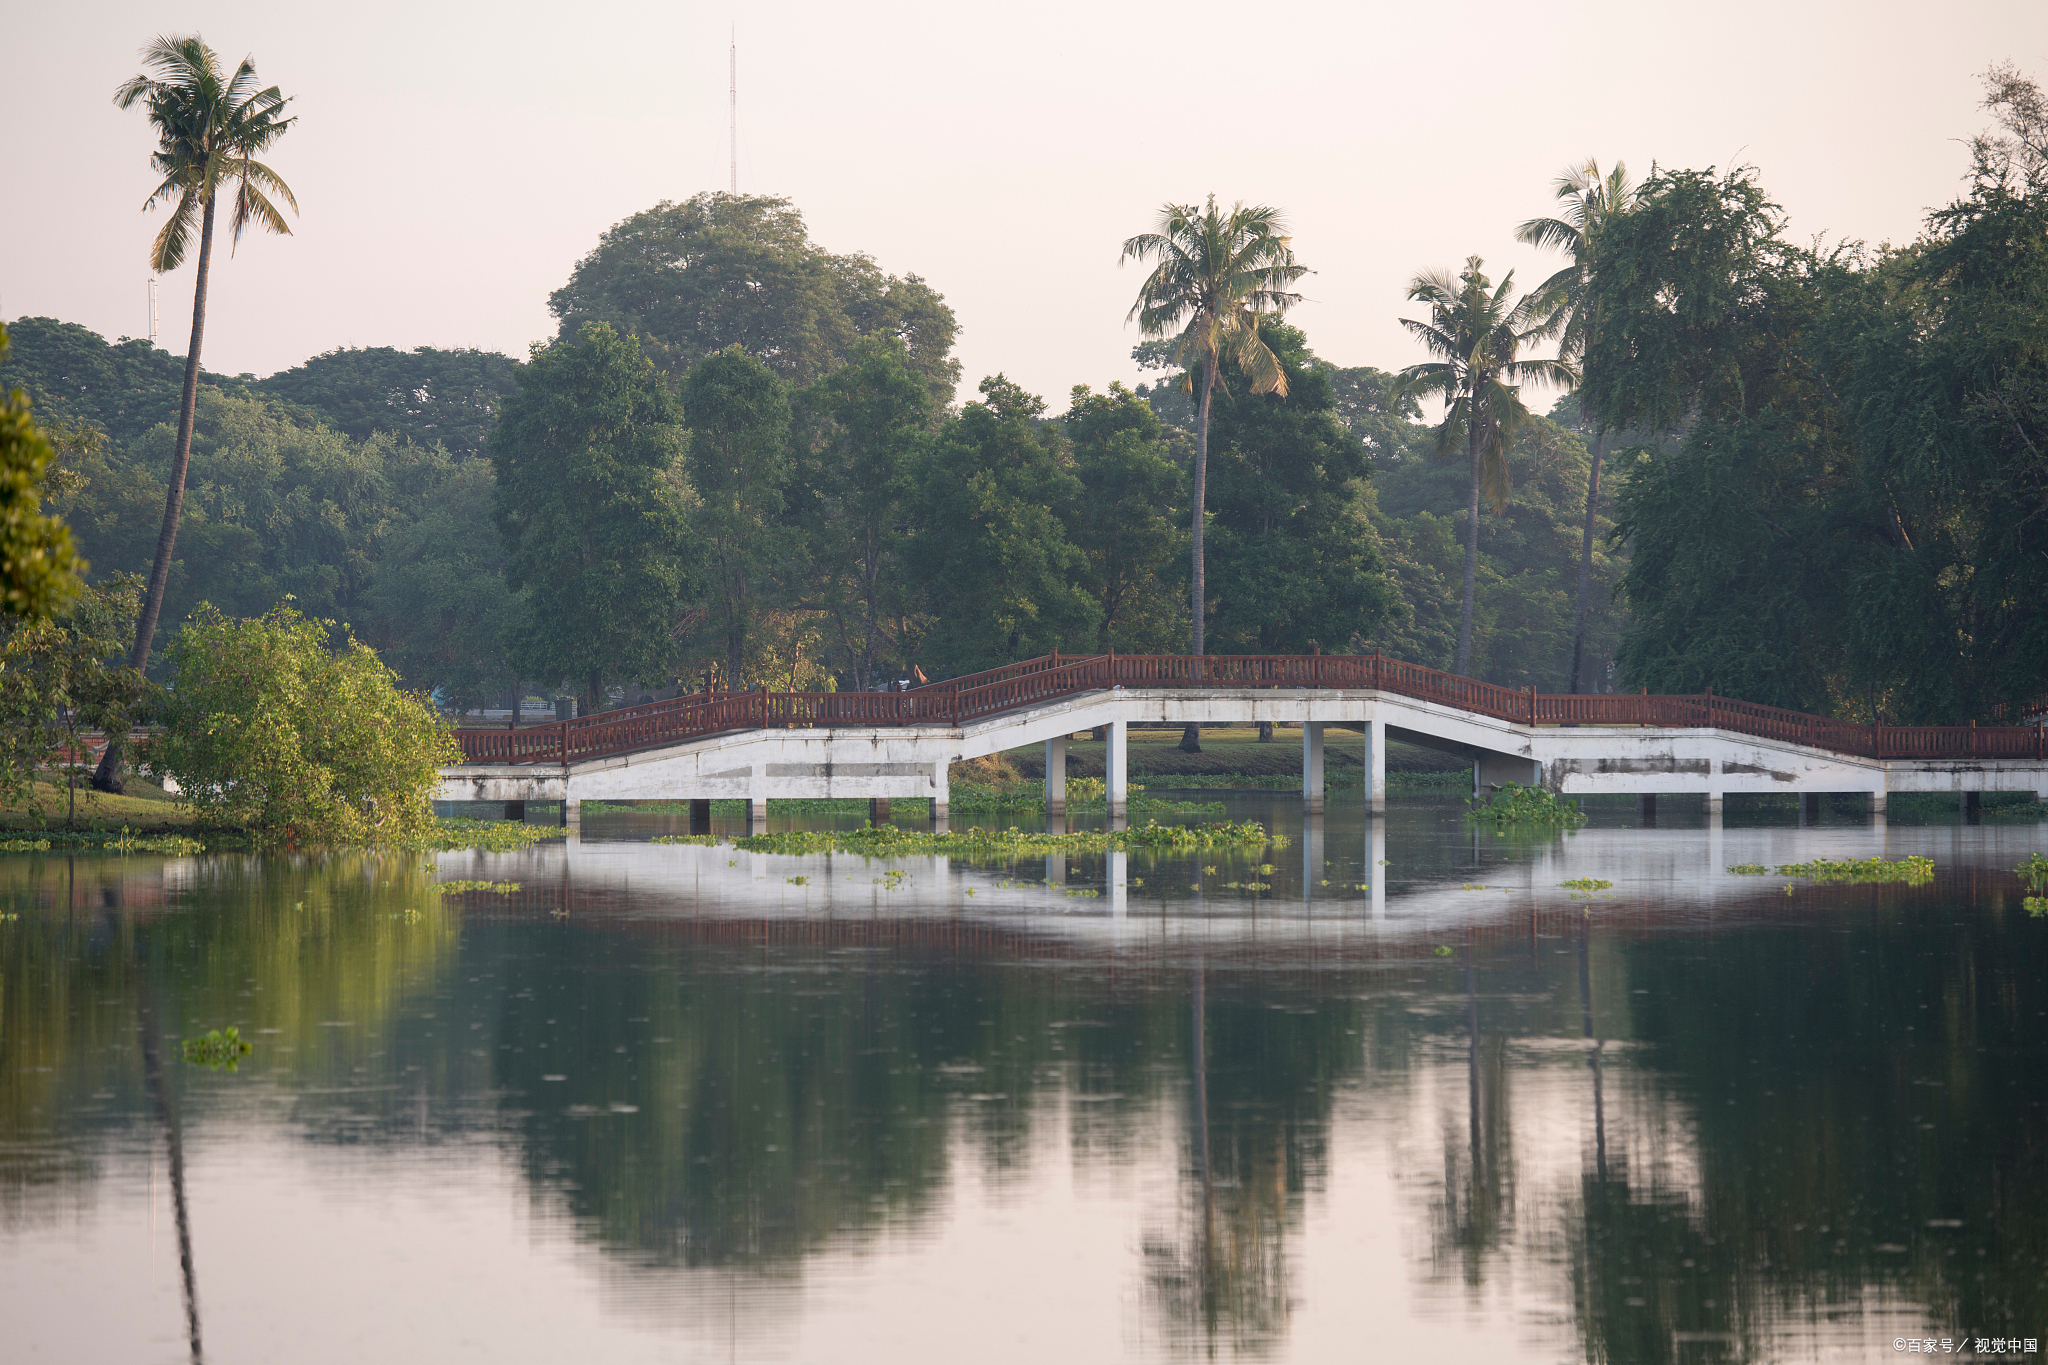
{"x": 593, "y": 501}
{"x": 210, "y": 127}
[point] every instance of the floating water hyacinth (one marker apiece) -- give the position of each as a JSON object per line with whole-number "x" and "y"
{"x": 220, "y": 1048}
{"x": 1588, "y": 884}
{"x": 889, "y": 841}
{"x": 1515, "y": 804}
{"x": 1913, "y": 870}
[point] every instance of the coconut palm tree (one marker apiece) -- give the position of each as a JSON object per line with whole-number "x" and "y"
{"x": 1591, "y": 201}
{"x": 1477, "y": 333}
{"x": 210, "y": 129}
{"x": 1215, "y": 275}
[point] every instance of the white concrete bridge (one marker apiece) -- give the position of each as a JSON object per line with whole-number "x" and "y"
{"x": 760, "y": 746}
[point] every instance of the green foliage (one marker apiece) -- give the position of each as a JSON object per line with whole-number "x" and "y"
{"x": 220, "y": 1049}
{"x": 880, "y": 841}
{"x": 1124, "y": 521}
{"x": 268, "y": 729}
{"x": 593, "y": 503}
{"x": 448, "y": 834}
{"x": 719, "y": 270}
{"x": 38, "y": 566}
{"x": 863, "y": 435}
{"x": 2037, "y": 906}
{"x": 456, "y": 888}
{"x": 1587, "y": 884}
{"x": 426, "y": 396}
{"x": 1294, "y": 565}
{"x": 738, "y": 416}
{"x": 1515, "y": 804}
{"x": 61, "y": 676}
{"x": 24, "y": 845}
{"x": 2034, "y": 870}
{"x": 1749, "y": 870}
{"x": 1913, "y": 870}
{"x": 996, "y": 561}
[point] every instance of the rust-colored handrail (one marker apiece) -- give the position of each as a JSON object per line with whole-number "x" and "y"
{"x": 1052, "y": 676}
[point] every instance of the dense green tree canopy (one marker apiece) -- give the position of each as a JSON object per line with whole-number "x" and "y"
{"x": 1296, "y": 564}
{"x": 593, "y": 502}
{"x": 738, "y": 416}
{"x": 1125, "y": 522}
{"x": 716, "y": 270}
{"x": 863, "y": 438}
{"x": 991, "y": 550}
{"x": 425, "y": 395}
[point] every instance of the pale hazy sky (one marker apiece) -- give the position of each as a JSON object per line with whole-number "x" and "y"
{"x": 453, "y": 161}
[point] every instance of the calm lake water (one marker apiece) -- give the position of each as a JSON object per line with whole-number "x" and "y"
{"x": 1395, "y": 1095}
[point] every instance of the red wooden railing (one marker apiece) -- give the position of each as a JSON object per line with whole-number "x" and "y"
{"x": 1052, "y": 676}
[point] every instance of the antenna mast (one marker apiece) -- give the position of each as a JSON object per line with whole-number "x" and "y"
{"x": 152, "y": 310}
{"x": 732, "y": 105}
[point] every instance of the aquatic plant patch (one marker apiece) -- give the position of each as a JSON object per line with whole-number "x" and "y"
{"x": 458, "y": 887}
{"x": 1588, "y": 884}
{"x": 490, "y": 836}
{"x": 219, "y": 1049}
{"x": 1913, "y": 870}
{"x": 2034, "y": 871}
{"x": 889, "y": 841}
{"x": 1515, "y": 804}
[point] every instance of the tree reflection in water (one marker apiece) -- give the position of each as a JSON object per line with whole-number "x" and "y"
{"x": 1839, "y": 1105}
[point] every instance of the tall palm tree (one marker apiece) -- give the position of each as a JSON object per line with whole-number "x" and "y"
{"x": 1477, "y": 333}
{"x": 210, "y": 129}
{"x": 1591, "y": 202}
{"x": 1214, "y": 276}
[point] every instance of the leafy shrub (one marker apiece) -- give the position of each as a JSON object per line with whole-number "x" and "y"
{"x": 269, "y": 729}
{"x": 1515, "y": 804}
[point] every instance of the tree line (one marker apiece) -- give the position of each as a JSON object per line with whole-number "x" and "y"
{"x": 737, "y": 464}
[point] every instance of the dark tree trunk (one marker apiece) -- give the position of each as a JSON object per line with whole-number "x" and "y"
{"x": 1191, "y": 737}
{"x": 595, "y": 702}
{"x": 1586, "y": 559}
{"x": 1265, "y": 732}
{"x": 1472, "y": 444}
{"x": 107, "y": 777}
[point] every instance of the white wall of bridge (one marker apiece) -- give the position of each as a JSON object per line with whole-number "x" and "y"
{"x": 911, "y": 761}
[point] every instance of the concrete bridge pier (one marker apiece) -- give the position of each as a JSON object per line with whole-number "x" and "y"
{"x": 515, "y": 810}
{"x": 571, "y": 817}
{"x": 940, "y": 818}
{"x": 1056, "y": 775}
{"x": 1809, "y": 809}
{"x": 757, "y": 815}
{"x": 1647, "y": 803}
{"x": 1312, "y": 766}
{"x": 1116, "y": 762}
{"x": 700, "y": 815}
{"x": 878, "y": 810}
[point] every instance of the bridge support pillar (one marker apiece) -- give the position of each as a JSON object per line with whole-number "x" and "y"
{"x": 1375, "y": 767}
{"x": 757, "y": 815}
{"x": 1809, "y": 808}
{"x": 1713, "y": 805}
{"x": 515, "y": 810}
{"x": 700, "y": 815}
{"x": 572, "y": 813}
{"x": 1877, "y": 801}
{"x": 878, "y": 810}
{"x": 1312, "y": 766}
{"x": 1647, "y": 802}
{"x": 1115, "y": 773}
{"x": 1056, "y": 776}
{"x": 1970, "y": 808}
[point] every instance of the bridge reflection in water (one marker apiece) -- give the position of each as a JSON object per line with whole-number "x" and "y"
{"x": 664, "y": 1100}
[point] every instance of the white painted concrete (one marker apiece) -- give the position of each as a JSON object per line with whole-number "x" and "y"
{"x": 761, "y": 765}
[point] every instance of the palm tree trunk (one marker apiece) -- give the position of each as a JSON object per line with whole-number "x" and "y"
{"x": 1472, "y": 443}
{"x": 107, "y": 777}
{"x": 1586, "y": 554}
{"x": 1191, "y": 737}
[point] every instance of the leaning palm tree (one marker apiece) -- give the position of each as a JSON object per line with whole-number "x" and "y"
{"x": 210, "y": 129}
{"x": 1477, "y": 333}
{"x": 1591, "y": 202}
{"x": 1215, "y": 275}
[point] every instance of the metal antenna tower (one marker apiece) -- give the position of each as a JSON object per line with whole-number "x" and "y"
{"x": 152, "y": 310}
{"x": 732, "y": 105}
